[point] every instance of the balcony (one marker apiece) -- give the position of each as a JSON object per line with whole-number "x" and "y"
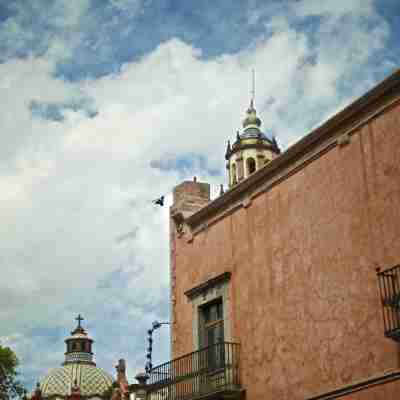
{"x": 209, "y": 373}
{"x": 389, "y": 286}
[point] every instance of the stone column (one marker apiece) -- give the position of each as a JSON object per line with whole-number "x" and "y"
{"x": 140, "y": 389}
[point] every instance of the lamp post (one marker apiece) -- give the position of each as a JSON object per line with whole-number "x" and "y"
{"x": 155, "y": 325}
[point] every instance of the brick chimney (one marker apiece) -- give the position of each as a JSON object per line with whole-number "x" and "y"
{"x": 188, "y": 198}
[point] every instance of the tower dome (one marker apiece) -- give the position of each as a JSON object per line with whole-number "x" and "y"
{"x": 251, "y": 120}
{"x": 78, "y": 376}
{"x": 251, "y": 150}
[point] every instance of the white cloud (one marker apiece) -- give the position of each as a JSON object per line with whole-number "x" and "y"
{"x": 128, "y": 6}
{"x": 335, "y": 8}
{"x": 72, "y": 189}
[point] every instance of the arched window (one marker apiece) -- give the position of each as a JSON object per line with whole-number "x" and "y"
{"x": 251, "y": 165}
{"x": 234, "y": 177}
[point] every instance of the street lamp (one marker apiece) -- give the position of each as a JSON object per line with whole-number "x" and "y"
{"x": 155, "y": 325}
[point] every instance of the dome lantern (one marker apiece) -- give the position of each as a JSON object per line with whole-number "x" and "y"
{"x": 252, "y": 149}
{"x": 79, "y": 345}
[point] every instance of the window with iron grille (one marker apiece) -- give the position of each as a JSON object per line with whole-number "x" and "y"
{"x": 389, "y": 285}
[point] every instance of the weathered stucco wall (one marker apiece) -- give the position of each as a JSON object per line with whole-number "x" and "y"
{"x": 304, "y": 300}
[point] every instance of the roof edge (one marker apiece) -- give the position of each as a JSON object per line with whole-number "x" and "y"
{"x": 374, "y": 98}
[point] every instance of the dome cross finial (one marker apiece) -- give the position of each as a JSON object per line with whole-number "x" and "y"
{"x": 79, "y": 318}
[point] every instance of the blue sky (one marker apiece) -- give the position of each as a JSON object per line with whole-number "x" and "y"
{"x": 107, "y": 104}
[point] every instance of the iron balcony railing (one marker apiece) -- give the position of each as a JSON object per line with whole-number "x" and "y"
{"x": 206, "y": 371}
{"x": 389, "y": 286}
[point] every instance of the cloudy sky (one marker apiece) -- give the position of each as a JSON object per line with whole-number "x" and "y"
{"x": 107, "y": 104}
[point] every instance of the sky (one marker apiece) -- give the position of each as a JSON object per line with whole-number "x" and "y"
{"x": 108, "y": 104}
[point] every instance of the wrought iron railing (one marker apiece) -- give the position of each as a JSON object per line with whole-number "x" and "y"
{"x": 389, "y": 286}
{"x": 206, "y": 371}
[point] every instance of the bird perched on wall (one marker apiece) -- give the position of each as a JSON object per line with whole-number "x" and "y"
{"x": 159, "y": 201}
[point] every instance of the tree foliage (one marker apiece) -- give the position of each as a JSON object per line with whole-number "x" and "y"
{"x": 10, "y": 387}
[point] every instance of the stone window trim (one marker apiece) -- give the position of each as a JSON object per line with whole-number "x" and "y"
{"x": 216, "y": 288}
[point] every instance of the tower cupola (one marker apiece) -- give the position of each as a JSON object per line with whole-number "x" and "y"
{"x": 79, "y": 345}
{"x": 252, "y": 149}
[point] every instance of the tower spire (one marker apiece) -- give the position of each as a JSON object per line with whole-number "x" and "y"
{"x": 253, "y": 88}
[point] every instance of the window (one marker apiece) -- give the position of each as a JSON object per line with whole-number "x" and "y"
{"x": 251, "y": 165}
{"x": 212, "y": 333}
{"x": 213, "y": 323}
{"x": 204, "y": 299}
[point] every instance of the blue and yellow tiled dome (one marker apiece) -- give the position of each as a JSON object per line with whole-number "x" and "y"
{"x": 92, "y": 381}
{"x": 78, "y": 372}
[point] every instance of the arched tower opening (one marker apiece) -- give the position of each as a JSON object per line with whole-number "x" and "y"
{"x": 251, "y": 165}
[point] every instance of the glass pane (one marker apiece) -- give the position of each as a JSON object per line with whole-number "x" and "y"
{"x": 206, "y": 313}
{"x": 210, "y": 314}
{"x": 214, "y": 312}
{"x": 219, "y": 311}
{"x": 215, "y": 334}
{"x": 220, "y": 332}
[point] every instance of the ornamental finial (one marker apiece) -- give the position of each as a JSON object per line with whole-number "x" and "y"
{"x": 251, "y": 119}
{"x": 253, "y": 91}
{"x": 79, "y": 318}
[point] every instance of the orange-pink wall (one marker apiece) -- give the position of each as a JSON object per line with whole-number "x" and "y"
{"x": 305, "y": 303}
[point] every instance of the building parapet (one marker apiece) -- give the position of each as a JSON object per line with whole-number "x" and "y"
{"x": 337, "y": 131}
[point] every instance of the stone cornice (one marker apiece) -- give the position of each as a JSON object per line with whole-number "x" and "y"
{"x": 336, "y": 131}
{"x": 203, "y": 287}
{"x": 260, "y": 144}
{"x": 357, "y": 386}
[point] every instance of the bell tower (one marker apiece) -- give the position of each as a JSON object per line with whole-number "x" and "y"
{"x": 252, "y": 148}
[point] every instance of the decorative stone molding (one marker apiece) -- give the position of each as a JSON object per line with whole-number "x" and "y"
{"x": 246, "y": 202}
{"x": 210, "y": 283}
{"x": 343, "y": 139}
{"x": 179, "y": 219}
{"x": 189, "y": 235}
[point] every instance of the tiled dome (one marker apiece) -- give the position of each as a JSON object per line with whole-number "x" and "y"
{"x": 91, "y": 380}
{"x": 78, "y": 374}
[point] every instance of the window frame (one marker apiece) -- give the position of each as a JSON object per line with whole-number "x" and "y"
{"x": 205, "y": 326}
{"x": 205, "y": 293}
